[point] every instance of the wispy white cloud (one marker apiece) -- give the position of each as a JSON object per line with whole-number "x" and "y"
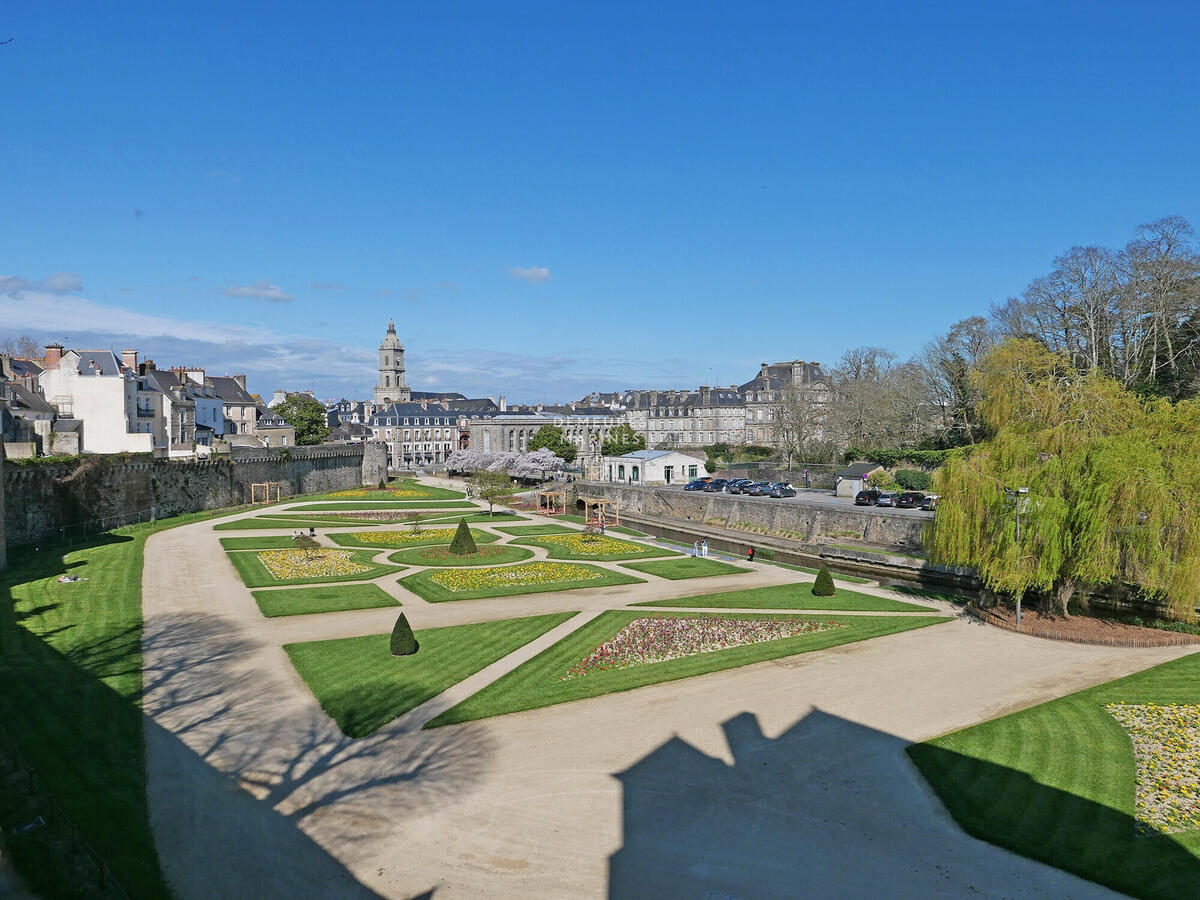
{"x": 259, "y": 290}
{"x": 58, "y": 283}
{"x": 326, "y": 286}
{"x": 533, "y": 274}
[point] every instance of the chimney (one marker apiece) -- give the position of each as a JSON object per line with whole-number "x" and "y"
{"x": 706, "y": 394}
{"x": 654, "y": 398}
{"x": 53, "y": 355}
{"x": 241, "y": 381}
{"x": 502, "y": 403}
{"x": 762, "y": 372}
{"x": 129, "y": 359}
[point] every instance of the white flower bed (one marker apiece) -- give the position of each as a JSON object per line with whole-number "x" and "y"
{"x": 1166, "y": 749}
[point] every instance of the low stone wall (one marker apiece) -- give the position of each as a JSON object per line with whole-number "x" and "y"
{"x": 104, "y": 491}
{"x": 796, "y": 521}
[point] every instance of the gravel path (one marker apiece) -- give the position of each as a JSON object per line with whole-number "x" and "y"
{"x": 782, "y": 778}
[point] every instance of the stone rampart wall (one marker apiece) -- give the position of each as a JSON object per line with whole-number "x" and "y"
{"x": 104, "y": 491}
{"x": 797, "y": 521}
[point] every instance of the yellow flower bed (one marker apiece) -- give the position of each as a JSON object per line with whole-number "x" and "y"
{"x": 512, "y": 576}
{"x": 591, "y": 544}
{"x": 284, "y": 565}
{"x": 1166, "y": 750}
{"x": 400, "y": 538}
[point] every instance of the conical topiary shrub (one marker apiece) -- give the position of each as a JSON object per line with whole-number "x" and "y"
{"x": 463, "y": 544}
{"x": 404, "y": 643}
{"x": 823, "y": 586}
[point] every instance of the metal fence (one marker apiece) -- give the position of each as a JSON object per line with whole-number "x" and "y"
{"x": 75, "y": 532}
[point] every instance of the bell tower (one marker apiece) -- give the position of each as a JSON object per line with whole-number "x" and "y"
{"x": 391, "y": 387}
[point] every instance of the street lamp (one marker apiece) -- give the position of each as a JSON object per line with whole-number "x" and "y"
{"x": 1018, "y": 497}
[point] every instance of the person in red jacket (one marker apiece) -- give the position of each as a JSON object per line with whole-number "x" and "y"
{"x": 750, "y": 554}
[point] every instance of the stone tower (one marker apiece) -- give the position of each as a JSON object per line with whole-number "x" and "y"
{"x": 391, "y": 387}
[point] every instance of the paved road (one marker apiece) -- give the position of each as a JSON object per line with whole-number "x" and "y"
{"x": 786, "y": 778}
{"x": 813, "y": 497}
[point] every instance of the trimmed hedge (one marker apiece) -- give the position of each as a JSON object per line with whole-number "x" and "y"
{"x": 913, "y": 479}
{"x": 823, "y": 586}
{"x": 404, "y": 643}
{"x": 463, "y": 544}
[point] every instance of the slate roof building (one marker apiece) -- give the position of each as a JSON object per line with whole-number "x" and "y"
{"x": 418, "y": 434}
{"x": 99, "y": 389}
{"x": 652, "y": 467}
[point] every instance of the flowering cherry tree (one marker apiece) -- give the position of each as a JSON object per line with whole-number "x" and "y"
{"x": 537, "y": 464}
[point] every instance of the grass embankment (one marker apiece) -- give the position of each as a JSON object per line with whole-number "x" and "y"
{"x": 334, "y": 598}
{"x": 539, "y": 682}
{"x": 1056, "y": 783}
{"x": 255, "y": 574}
{"x": 688, "y": 567}
{"x": 70, "y": 688}
{"x": 486, "y": 584}
{"x": 593, "y": 547}
{"x": 439, "y": 555}
{"x": 363, "y": 687}
{"x": 792, "y": 596}
{"x": 393, "y": 539}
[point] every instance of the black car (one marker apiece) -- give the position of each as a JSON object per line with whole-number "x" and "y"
{"x": 910, "y": 500}
{"x": 929, "y": 504}
{"x": 715, "y": 486}
{"x": 867, "y": 498}
{"x": 736, "y": 485}
{"x": 758, "y": 489}
{"x": 697, "y": 485}
{"x": 781, "y": 489}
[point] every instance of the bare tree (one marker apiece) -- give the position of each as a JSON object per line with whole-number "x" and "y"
{"x": 21, "y": 346}
{"x": 946, "y": 368}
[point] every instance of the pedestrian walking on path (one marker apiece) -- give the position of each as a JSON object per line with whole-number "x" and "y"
{"x": 704, "y": 547}
{"x": 750, "y": 554}
{"x": 695, "y": 548}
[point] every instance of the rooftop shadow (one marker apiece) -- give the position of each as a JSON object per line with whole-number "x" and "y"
{"x": 830, "y": 808}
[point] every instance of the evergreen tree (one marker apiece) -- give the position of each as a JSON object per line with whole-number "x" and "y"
{"x": 306, "y": 415}
{"x": 404, "y": 642}
{"x": 463, "y": 543}
{"x": 823, "y": 586}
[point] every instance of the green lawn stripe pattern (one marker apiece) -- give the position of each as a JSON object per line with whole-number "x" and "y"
{"x": 798, "y": 595}
{"x": 255, "y": 575}
{"x": 303, "y": 601}
{"x": 538, "y": 682}
{"x": 1056, "y": 783}
{"x": 523, "y": 530}
{"x": 422, "y": 584}
{"x": 264, "y": 523}
{"x": 440, "y": 535}
{"x": 259, "y": 542}
{"x": 490, "y": 555}
{"x": 363, "y": 687}
{"x": 415, "y": 491}
{"x": 688, "y": 567}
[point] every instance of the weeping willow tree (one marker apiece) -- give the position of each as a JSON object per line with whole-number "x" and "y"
{"x": 1113, "y": 486}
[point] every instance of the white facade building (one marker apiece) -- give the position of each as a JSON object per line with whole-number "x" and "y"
{"x": 652, "y": 467}
{"x": 100, "y": 391}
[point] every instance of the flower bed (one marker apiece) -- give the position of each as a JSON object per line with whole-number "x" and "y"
{"x": 286, "y": 565}
{"x": 590, "y": 544}
{"x": 1166, "y": 749}
{"x": 514, "y": 576}
{"x": 400, "y": 538}
{"x": 660, "y": 638}
{"x": 438, "y": 553}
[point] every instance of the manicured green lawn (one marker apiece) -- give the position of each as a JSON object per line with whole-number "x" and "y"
{"x": 331, "y": 598}
{"x": 259, "y": 542}
{"x": 438, "y": 555}
{"x": 388, "y": 539}
{"x": 536, "y": 529}
{"x": 482, "y": 518}
{"x": 70, "y": 688}
{"x": 363, "y": 687}
{"x": 808, "y": 570}
{"x": 687, "y": 567}
{"x": 424, "y": 584}
{"x": 1056, "y": 783}
{"x": 608, "y": 549}
{"x": 539, "y": 682}
{"x": 792, "y": 596}
{"x": 261, "y": 523}
{"x": 347, "y": 505}
{"x": 255, "y": 574}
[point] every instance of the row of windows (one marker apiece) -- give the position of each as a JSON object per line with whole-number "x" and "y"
{"x": 417, "y": 421}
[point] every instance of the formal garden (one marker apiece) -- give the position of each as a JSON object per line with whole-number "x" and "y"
{"x": 437, "y": 586}
{"x": 309, "y": 565}
{"x": 593, "y": 547}
{"x": 413, "y": 537}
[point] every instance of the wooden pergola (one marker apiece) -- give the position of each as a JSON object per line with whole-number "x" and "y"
{"x": 602, "y": 506}
{"x": 267, "y": 489}
{"x": 550, "y": 500}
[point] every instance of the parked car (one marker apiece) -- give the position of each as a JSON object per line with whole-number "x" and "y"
{"x": 886, "y": 499}
{"x": 695, "y": 485}
{"x": 910, "y": 500}
{"x": 866, "y": 498}
{"x": 929, "y": 504}
{"x": 782, "y": 489}
{"x": 736, "y": 485}
{"x": 758, "y": 489}
{"x": 715, "y": 486}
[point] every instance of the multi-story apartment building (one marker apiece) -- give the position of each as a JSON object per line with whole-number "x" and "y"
{"x": 767, "y": 390}
{"x": 697, "y": 418}
{"x": 239, "y": 408}
{"x": 99, "y": 391}
{"x": 585, "y": 427}
{"x": 418, "y": 434}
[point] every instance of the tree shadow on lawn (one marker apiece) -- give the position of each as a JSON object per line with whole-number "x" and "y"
{"x": 295, "y": 766}
{"x": 830, "y": 808}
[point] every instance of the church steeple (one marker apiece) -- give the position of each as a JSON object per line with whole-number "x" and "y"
{"x": 391, "y": 387}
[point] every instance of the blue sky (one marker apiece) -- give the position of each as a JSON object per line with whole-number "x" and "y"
{"x": 552, "y": 198}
